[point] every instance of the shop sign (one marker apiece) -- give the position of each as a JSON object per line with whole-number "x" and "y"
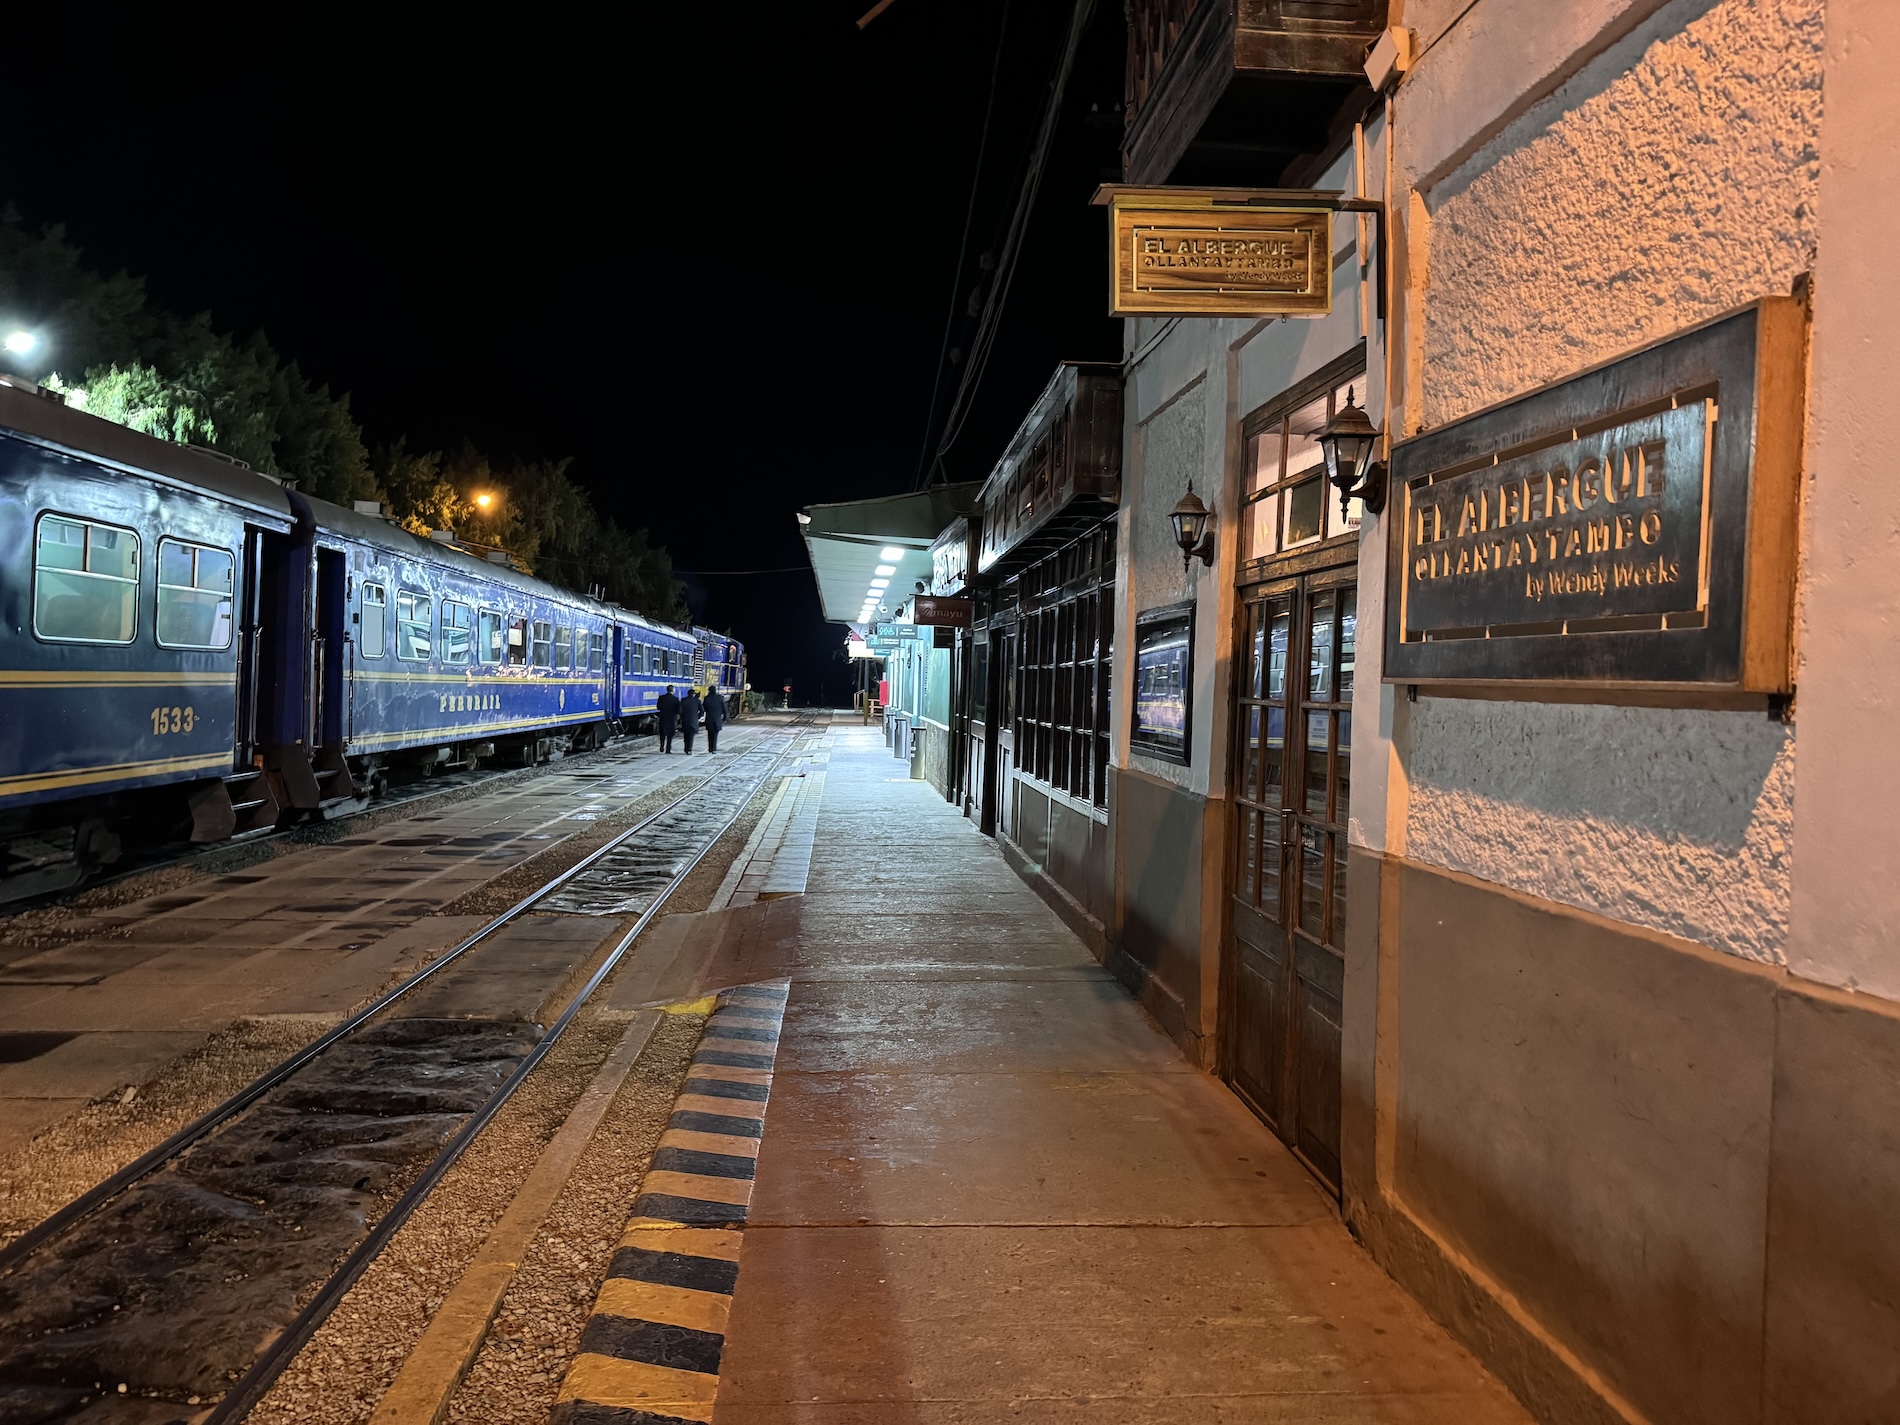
{"x": 945, "y": 613}
{"x": 898, "y": 631}
{"x": 1634, "y": 525}
{"x": 1214, "y": 252}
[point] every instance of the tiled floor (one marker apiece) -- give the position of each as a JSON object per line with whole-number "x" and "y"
{"x": 990, "y": 1189}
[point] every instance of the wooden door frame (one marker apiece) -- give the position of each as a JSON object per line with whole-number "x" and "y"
{"x": 1332, "y": 566}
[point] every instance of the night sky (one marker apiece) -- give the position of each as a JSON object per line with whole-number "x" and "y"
{"x": 705, "y": 251}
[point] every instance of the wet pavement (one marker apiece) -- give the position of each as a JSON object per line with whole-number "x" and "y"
{"x": 990, "y": 1188}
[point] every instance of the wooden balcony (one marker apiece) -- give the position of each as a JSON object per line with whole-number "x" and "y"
{"x": 1061, "y": 473}
{"x": 1237, "y": 93}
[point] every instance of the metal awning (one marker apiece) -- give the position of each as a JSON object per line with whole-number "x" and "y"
{"x": 849, "y": 544}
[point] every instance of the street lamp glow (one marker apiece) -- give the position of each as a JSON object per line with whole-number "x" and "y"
{"x": 886, "y": 569}
{"x": 483, "y": 501}
{"x": 21, "y": 343}
{"x": 890, "y": 554}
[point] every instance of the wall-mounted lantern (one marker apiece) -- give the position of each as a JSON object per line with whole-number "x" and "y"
{"x": 1193, "y": 528}
{"x": 1347, "y": 442}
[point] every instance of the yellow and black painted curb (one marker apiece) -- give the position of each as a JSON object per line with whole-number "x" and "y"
{"x": 650, "y": 1353}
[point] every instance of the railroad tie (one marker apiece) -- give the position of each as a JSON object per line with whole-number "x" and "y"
{"x": 650, "y": 1353}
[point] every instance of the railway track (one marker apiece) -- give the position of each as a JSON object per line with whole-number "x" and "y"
{"x": 199, "y": 1270}
{"x": 405, "y": 799}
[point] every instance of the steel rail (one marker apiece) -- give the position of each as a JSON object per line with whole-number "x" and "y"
{"x": 263, "y": 1372}
{"x": 419, "y": 800}
{"x": 96, "y": 1197}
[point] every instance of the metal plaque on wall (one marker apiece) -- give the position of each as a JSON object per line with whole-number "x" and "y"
{"x": 1214, "y": 252}
{"x": 1631, "y": 526}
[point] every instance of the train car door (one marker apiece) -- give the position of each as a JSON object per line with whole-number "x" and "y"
{"x": 250, "y": 651}
{"x": 616, "y": 645}
{"x": 284, "y": 691}
{"x": 331, "y": 623}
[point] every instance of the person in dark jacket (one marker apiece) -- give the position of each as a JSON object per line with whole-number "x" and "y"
{"x": 668, "y": 707}
{"x": 690, "y": 710}
{"x": 715, "y": 717}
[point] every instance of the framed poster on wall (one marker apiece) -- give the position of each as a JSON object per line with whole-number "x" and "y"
{"x": 1164, "y": 682}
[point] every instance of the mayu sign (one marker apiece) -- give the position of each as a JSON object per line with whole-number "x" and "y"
{"x": 1632, "y": 525}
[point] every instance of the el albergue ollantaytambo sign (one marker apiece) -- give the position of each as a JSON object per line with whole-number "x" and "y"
{"x": 1216, "y": 252}
{"x": 1631, "y": 526}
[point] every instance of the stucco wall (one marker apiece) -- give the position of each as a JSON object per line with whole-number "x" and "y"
{"x": 1171, "y": 446}
{"x": 1671, "y": 178}
{"x": 1845, "y": 908}
{"x": 1672, "y": 819}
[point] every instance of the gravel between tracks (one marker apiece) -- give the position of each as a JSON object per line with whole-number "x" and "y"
{"x": 493, "y": 897}
{"x": 343, "y": 1372}
{"x": 538, "y": 1329}
{"x": 39, "y": 1177}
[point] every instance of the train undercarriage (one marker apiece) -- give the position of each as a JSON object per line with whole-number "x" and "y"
{"x": 58, "y": 846}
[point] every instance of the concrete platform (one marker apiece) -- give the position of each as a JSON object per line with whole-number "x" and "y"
{"x": 989, "y": 1188}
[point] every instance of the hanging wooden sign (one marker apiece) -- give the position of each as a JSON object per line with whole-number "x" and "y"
{"x": 1219, "y": 252}
{"x": 1631, "y": 526}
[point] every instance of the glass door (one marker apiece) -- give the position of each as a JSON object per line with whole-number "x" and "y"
{"x": 1292, "y": 785}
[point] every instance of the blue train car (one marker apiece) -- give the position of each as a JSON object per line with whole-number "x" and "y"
{"x": 721, "y": 663}
{"x": 188, "y": 648}
{"x": 126, "y": 645}
{"x": 431, "y": 656}
{"x": 650, "y": 657}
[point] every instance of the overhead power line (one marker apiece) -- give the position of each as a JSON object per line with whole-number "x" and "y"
{"x": 728, "y": 573}
{"x": 963, "y": 246}
{"x": 991, "y": 319}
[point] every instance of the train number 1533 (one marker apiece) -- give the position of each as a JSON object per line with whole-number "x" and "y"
{"x": 173, "y": 719}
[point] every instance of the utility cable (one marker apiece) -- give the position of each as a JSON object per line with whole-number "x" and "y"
{"x": 730, "y": 573}
{"x": 991, "y": 319}
{"x": 963, "y": 245}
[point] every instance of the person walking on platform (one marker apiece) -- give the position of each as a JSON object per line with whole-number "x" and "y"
{"x": 690, "y": 710}
{"x": 715, "y": 717}
{"x": 668, "y": 707}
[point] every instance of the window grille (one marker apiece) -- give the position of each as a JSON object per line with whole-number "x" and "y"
{"x": 196, "y": 585}
{"x": 456, "y": 619}
{"x": 1065, "y": 644}
{"x": 373, "y": 634}
{"x": 412, "y": 625}
{"x": 85, "y": 581}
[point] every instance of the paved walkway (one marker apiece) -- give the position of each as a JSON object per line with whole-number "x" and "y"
{"x": 990, "y": 1189}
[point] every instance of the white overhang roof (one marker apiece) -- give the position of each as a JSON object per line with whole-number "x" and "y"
{"x": 846, "y": 545}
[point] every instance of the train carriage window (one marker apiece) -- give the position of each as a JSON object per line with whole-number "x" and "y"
{"x": 596, "y": 652}
{"x": 488, "y": 637}
{"x": 456, "y": 619}
{"x": 196, "y": 584}
{"x": 563, "y": 648}
{"x": 412, "y": 625}
{"x": 543, "y": 643}
{"x": 375, "y": 620}
{"x": 85, "y": 581}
